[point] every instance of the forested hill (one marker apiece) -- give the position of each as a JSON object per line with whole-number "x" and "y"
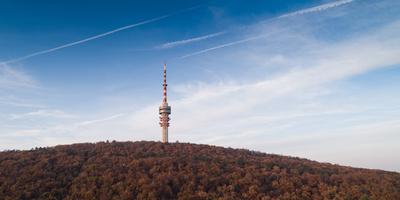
{"x": 152, "y": 170}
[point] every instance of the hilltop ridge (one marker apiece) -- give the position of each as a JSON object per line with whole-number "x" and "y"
{"x": 153, "y": 170}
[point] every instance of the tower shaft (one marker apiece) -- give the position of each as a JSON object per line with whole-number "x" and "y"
{"x": 164, "y": 110}
{"x": 165, "y": 134}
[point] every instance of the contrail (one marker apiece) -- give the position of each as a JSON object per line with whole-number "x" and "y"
{"x": 96, "y": 36}
{"x": 292, "y": 14}
{"x": 187, "y": 41}
{"x": 221, "y": 46}
{"x": 84, "y": 123}
{"x": 317, "y": 8}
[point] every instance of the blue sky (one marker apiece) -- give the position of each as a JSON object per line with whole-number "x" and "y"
{"x": 314, "y": 79}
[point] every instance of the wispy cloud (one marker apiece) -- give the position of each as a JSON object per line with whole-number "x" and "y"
{"x": 14, "y": 84}
{"x": 277, "y": 108}
{"x": 11, "y": 78}
{"x": 317, "y": 8}
{"x": 19, "y": 103}
{"x": 42, "y": 114}
{"x": 96, "y": 36}
{"x": 221, "y": 46}
{"x": 188, "y": 41}
{"x": 94, "y": 121}
{"x": 292, "y": 14}
{"x": 246, "y": 110}
{"x": 58, "y": 128}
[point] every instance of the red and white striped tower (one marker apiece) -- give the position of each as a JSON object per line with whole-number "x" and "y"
{"x": 165, "y": 110}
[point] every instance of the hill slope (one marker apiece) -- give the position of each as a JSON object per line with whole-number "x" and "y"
{"x": 152, "y": 170}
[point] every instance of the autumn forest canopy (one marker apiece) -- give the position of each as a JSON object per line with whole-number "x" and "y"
{"x": 152, "y": 170}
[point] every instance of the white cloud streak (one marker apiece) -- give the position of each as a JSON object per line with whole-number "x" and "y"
{"x": 66, "y": 129}
{"x": 19, "y": 103}
{"x": 231, "y": 104}
{"x": 89, "y": 122}
{"x": 96, "y": 36}
{"x": 317, "y": 8}
{"x": 222, "y": 46}
{"x": 233, "y": 113}
{"x": 42, "y": 114}
{"x": 292, "y": 14}
{"x": 11, "y": 78}
{"x": 13, "y": 84}
{"x": 188, "y": 41}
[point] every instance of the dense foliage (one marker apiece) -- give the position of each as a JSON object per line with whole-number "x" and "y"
{"x": 151, "y": 170}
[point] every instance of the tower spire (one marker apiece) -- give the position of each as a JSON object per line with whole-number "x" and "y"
{"x": 164, "y": 110}
{"x": 165, "y": 84}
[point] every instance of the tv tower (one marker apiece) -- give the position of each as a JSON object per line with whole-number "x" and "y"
{"x": 165, "y": 110}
